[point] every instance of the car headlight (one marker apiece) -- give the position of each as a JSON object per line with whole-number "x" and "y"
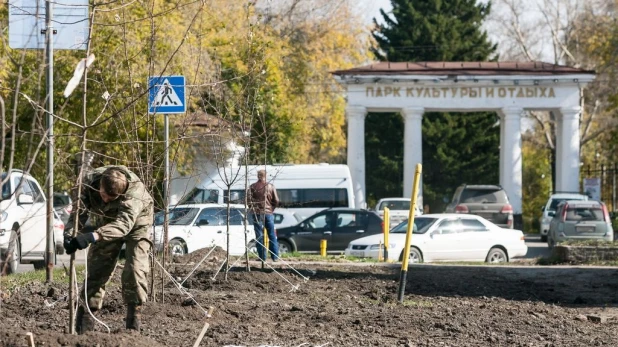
{"x": 3, "y": 216}
{"x": 380, "y": 246}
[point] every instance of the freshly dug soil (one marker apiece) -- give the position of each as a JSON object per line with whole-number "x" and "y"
{"x": 342, "y": 305}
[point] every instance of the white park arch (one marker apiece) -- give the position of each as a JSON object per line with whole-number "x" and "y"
{"x": 508, "y": 88}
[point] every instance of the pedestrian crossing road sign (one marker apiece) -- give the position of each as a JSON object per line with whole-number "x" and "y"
{"x": 166, "y": 94}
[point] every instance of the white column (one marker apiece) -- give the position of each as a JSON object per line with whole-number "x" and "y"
{"x": 501, "y": 116}
{"x": 412, "y": 149}
{"x": 567, "y": 157}
{"x": 356, "y": 151}
{"x": 510, "y": 157}
{"x": 558, "y": 147}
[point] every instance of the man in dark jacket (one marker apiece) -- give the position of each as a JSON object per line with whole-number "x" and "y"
{"x": 263, "y": 200}
{"x": 121, "y": 212}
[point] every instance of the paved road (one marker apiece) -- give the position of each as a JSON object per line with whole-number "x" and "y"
{"x": 60, "y": 259}
{"x": 536, "y": 249}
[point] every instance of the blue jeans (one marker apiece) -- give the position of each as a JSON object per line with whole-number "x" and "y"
{"x": 259, "y": 222}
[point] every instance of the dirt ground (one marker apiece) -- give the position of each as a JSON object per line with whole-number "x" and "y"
{"x": 343, "y": 305}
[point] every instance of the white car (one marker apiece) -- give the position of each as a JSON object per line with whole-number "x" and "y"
{"x": 197, "y": 226}
{"x": 549, "y": 210}
{"x": 58, "y": 233}
{"x": 446, "y": 237}
{"x": 22, "y": 222}
{"x": 399, "y": 209}
{"x": 286, "y": 218}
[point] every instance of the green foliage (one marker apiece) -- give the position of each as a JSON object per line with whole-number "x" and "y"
{"x": 457, "y": 149}
{"x": 536, "y": 179}
{"x": 384, "y": 156}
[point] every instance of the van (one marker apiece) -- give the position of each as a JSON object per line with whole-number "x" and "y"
{"x": 303, "y": 188}
{"x": 549, "y": 209}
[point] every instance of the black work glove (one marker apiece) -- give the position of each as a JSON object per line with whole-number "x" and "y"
{"x": 81, "y": 241}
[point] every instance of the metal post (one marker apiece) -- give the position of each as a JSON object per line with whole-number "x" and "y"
{"x": 49, "y": 42}
{"x": 166, "y": 194}
{"x": 614, "y": 188}
{"x": 387, "y": 228}
{"x": 403, "y": 277}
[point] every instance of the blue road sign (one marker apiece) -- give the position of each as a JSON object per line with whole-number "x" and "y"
{"x": 166, "y": 95}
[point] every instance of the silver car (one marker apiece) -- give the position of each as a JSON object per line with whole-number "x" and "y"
{"x": 580, "y": 220}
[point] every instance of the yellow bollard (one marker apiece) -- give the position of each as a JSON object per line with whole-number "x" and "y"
{"x": 323, "y": 247}
{"x": 387, "y": 226}
{"x": 266, "y": 246}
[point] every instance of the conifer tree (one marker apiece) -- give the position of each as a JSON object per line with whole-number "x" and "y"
{"x": 457, "y": 147}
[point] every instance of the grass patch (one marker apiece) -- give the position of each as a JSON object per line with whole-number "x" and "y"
{"x": 15, "y": 281}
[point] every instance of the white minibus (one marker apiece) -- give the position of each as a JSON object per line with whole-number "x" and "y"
{"x": 304, "y": 188}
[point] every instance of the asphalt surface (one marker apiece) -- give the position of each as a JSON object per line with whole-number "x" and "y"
{"x": 536, "y": 249}
{"x": 60, "y": 260}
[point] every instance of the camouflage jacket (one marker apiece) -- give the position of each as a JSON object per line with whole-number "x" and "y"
{"x": 130, "y": 216}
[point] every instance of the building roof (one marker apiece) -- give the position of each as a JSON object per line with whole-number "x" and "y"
{"x": 464, "y": 68}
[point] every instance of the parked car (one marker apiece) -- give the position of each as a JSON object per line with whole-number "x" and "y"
{"x": 446, "y": 237}
{"x": 338, "y": 226}
{"x": 549, "y": 210}
{"x": 22, "y": 221}
{"x": 399, "y": 209}
{"x": 58, "y": 233}
{"x": 63, "y": 206}
{"x": 196, "y": 226}
{"x": 580, "y": 220}
{"x": 487, "y": 201}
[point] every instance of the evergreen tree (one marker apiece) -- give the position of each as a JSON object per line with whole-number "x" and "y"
{"x": 457, "y": 148}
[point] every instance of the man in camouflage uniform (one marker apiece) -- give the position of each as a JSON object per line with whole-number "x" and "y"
{"x": 121, "y": 212}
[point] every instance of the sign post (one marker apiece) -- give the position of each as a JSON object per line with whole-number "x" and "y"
{"x": 33, "y": 27}
{"x": 166, "y": 95}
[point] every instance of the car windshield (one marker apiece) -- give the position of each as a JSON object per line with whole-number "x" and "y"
{"x": 6, "y": 188}
{"x": 177, "y": 216}
{"x": 395, "y": 205}
{"x": 483, "y": 196}
{"x": 201, "y": 196}
{"x": 555, "y": 202}
{"x": 61, "y": 200}
{"x": 421, "y": 224}
{"x": 581, "y": 214}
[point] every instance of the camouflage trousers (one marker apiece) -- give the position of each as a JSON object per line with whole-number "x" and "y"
{"x": 102, "y": 261}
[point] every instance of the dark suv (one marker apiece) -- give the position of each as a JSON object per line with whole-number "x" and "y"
{"x": 487, "y": 201}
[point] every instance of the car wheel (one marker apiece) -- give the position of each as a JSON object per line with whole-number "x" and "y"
{"x": 496, "y": 255}
{"x": 543, "y": 238}
{"x": 11, "y": 258}
{"x": 177, "y": 247}
{"x": 284, "y": 247}
{"x": 415, "y": 256}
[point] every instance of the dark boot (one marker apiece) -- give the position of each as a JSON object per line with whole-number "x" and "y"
{"x": 134, "y": 316}
{"x": 83, "y": 321}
